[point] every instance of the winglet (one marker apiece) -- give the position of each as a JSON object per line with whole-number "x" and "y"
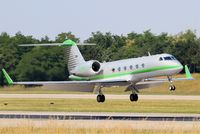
{"x": 187, "y": 73}
{"x": 8, "y": 79}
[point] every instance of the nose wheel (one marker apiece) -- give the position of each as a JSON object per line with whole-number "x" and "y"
{"x": 100, "y": 98}
{"x": 172, "y": 88}
{"x": 133, "y": 97}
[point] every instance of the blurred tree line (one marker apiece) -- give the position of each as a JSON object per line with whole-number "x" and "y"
{"x": 47, "y": 63}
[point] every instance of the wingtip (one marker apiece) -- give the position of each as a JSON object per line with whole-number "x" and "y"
{"x": 187, "y": 73}
{"x": 7, "y": 77}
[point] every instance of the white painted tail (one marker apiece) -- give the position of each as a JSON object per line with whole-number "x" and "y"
{"x": 73, "y": 55}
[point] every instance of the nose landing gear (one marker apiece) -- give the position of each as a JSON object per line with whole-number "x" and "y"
{"x": 171, "y": 87}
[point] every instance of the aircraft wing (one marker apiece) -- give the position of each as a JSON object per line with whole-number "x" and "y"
{"x": 66, "y": 82}
{"x": 102, "y": 82}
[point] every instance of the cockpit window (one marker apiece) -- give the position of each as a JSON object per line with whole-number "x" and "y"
{"x": 173, "y": 58}
{"x": 160, "y": 59}
{"x": 168, "y": 58}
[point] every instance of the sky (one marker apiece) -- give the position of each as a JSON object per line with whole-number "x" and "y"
{"x": 82, "y": 17}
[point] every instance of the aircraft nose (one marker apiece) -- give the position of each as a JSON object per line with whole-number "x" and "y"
{"x": 179, "y": 67}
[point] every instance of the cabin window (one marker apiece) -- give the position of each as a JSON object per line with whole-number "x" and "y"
{"x": 125, "y": 68}
{"x": 143, "y": 65}
{"x": 113, "y": 70}
{"x": 136, "y": 66}
{"x": 167, "y": 58}
{"x": 119, "y": 68}
{"x": 160, "y": 59}
{"x": 131, "y": 67}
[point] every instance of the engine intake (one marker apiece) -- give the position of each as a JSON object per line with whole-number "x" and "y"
{"x": 96, "y": 66}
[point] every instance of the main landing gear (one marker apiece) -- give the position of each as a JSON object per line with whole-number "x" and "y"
{"x": 133, "y": 97}
{"x": 100, "y": 98}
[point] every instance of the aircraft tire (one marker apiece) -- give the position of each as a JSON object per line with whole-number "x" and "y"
{"x": 133, "y": 97}
{"x": 172, "y": 88}
{"x": 100, "y": 98}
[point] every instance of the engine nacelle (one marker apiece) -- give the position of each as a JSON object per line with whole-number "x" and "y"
{"x": 89, "y": 68}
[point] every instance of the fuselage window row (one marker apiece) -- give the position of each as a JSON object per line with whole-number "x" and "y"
{"x": 130, "y": 67}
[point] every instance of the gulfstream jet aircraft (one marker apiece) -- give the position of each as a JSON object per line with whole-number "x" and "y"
{"x": 92, "y": 76}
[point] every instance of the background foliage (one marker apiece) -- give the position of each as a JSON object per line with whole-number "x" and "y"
{"x": 39, "y": 63}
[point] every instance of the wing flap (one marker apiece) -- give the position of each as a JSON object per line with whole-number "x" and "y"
{"x": 70, "y": 87}
{"x": 145, "y": 84}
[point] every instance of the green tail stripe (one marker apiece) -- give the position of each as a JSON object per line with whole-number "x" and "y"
{"x": 123, "y": 73}
{"x": 187, "y": 72}
{"x": 68, "y": 43}
{"x": 8, "y": 79}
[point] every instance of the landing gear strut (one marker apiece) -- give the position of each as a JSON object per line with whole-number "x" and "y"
{"x": 100, "y": 98}
{"x": 171, "y": 87}
{"x": 133, "y": 97}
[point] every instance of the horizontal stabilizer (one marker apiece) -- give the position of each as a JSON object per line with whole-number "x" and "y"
{"x": 65, "y": 43}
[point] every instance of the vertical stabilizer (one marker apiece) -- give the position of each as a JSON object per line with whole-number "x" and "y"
{"x": 72, "y": 54}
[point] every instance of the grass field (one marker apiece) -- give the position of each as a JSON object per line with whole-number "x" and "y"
{"x": 183, "y": 88}
{"x": 104, "y": 127}
{"x": 90, "y": 105}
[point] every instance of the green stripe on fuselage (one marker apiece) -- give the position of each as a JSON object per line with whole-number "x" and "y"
{"x": 103, "y": 76}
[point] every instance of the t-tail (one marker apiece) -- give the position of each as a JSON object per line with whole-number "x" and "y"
{"x": 77, "y": 66}
{"x": 73, "y": 56}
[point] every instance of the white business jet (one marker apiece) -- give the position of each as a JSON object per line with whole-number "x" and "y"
{"x": 92, "y": 76}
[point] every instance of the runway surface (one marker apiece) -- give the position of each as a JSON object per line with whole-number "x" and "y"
{"x": 99, "y": 116}
{"x": 93, "y": 96}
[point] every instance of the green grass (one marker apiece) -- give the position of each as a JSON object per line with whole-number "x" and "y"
{"x": 90, "y": 105}
{"x": 182, "y": 88}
